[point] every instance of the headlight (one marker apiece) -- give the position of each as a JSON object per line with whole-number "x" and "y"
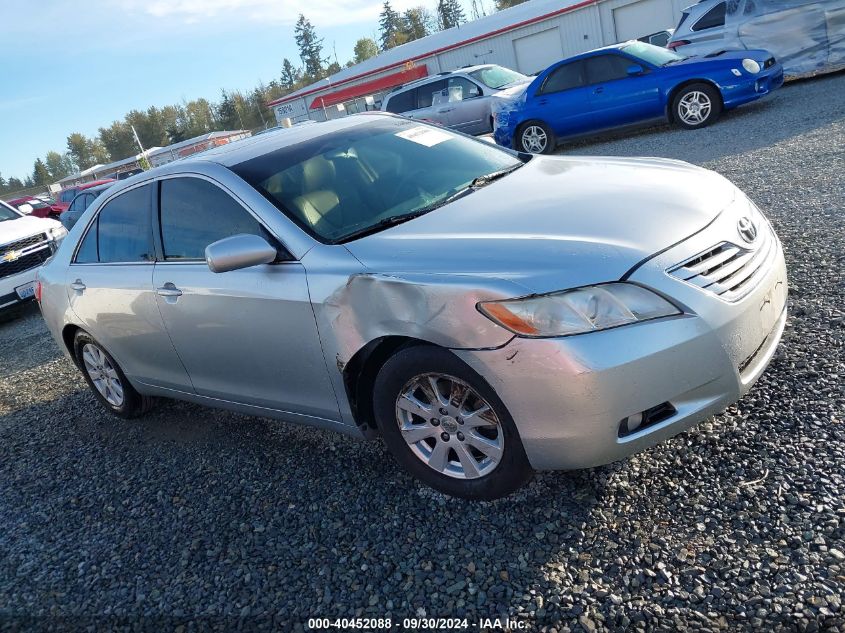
{"x": 578, "y": 311}
{"x": 57, "y": 233}
{"x": 751, "y": 66}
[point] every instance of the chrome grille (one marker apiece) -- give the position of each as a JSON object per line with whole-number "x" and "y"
{"x": 727, "y": 270}
{"x": 24, "y": 254}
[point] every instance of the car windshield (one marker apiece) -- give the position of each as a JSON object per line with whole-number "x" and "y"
{"x": 7, "y": 213}
{"x": 497, "y": 77}
{"x": 652, "y": 54}
{"x": 368, "y": 176}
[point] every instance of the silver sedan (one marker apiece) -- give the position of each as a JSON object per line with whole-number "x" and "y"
{"x": 486, "y": 313}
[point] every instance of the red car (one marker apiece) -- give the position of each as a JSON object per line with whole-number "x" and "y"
{"x": 40, "y": 208}
{"x": 66, "y": 196}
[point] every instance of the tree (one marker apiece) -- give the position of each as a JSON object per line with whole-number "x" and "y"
{"x": 310, "y": 48}
{"x": 86, "y": 152}
{"x": 290, "y": 75}
{"x": 418, "y": 23}
{"x": 507, "y": 4}
{"x": 40, "y": 174}
{"x": 119, "y": 140}
{"x": 391, "y": 27}
{"x": 477, "y": 9}
{"x": 364, "y": 49}
{"x": 14, "y": 184}
{"x": 58, "y": 165}
{"x": 450, "y": 13}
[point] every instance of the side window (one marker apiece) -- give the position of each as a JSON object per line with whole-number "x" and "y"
{"x": 563, "y": 78}
{"x": 713, "y": 18}
{"x": 607, "y": 68}
{"x": 426, "y": 93}
{"x": 67, "y": 195}
{"x": 461, "y": 89}
{"x": 195, "y": 213}
{"x": 402, "y": 102}
{"x": 86, "y": 202}
{"x": 76, "y": 205}
{"x": 87, "y": 253}
{"x": 123, "y": 228}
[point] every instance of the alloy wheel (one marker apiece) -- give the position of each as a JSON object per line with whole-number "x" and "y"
{"x": 694, "y": 107}
{"x": 449, "y": 426}
{"x": 103, "y": 374}
{"x": 534, "y": 139}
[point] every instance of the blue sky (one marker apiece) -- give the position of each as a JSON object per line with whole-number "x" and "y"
{"x": 69, "y": 66}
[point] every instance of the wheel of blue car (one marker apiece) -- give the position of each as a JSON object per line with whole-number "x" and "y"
{"x": 536, "y": 137}
{"x": 696, "y": 105}
{"x": 446, "y": 426}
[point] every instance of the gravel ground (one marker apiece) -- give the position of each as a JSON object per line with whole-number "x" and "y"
{"x": 248, "y": 524}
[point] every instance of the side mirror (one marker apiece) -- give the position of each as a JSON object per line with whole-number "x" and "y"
{"x": 237, "y": 252}
{"x": 635, "y": 69}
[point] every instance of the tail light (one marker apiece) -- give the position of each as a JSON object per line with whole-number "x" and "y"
{"x": 38, "y": 291}
{"x": 677, "y": 44}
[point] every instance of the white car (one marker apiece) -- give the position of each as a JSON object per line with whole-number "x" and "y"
{"x": 25, "y": 243}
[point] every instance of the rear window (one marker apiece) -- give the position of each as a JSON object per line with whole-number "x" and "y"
{"x": 402, "y": 102}
{"x": 715, "y": 17}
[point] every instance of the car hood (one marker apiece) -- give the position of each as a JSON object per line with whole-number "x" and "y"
{"x": 555, "y": 223}
{"x": 13, "y": 230}
{"x": 727, "y": 56}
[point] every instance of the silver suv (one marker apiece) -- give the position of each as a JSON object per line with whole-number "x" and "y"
{"x": 803, "y": 35}
{"x": 459, "y": 99}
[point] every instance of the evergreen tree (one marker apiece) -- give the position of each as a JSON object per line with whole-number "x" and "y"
{"x": 40, "y": 175}
{"x": 364, "y": 49}
{"x": 310, "y": 48}
{"x": 391, "y": 27}
{"x": 417, "y": 23}
{"x": 14, "y": 184}
{"x": 290, "y": 75}
{"x": 507, "y": 4}
{"x": 450, "y": 13}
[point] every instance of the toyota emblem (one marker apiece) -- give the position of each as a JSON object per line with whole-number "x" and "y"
{"x": 746, "y": 228}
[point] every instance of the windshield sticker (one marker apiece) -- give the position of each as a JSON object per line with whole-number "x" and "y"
{"x": 427, "y": 136}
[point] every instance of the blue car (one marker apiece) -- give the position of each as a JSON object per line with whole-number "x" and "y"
{"x": 629, "y": 83}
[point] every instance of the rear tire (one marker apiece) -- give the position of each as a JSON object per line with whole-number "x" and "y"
{"x": 107, "y": 380}
{"x": 535, "y": 137}
{"x": 696, "y": 106}
{"x": 437, "y": 437}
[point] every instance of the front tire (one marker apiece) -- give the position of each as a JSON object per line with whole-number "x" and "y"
{"x": 446, "y": 426}
{"x": 696, "y": 106}
{"x": 535, "y": 137}
{"x": 107, "y": 380}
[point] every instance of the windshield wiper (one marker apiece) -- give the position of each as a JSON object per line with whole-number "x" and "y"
{"x": 393, "y": 220}
{"x": 486, "y": 179}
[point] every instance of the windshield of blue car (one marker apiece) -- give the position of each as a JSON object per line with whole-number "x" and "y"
{"x": 6, "y": 213}
{"x": 652, "y": 54}
{"x": 497, "y": 77}
{"x": 372, "y": 174}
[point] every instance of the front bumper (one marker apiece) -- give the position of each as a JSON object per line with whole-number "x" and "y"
{"x": 568, "y": 396}
{"x": 753, "y": 86}
{"x": 9, "y": 286}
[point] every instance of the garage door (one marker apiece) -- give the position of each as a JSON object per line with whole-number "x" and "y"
{"x": 642, "y": 18}
{"x": 538, "y": 51}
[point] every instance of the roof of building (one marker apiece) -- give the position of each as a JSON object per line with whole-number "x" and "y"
{"x": 193, "y": 141}
{"x": 484, "y": 27}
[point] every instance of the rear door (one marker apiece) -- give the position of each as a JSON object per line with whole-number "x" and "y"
{"x": 246, "y": 336}
{"x": 469, "y": 107}
{"x": 110, "y": 288}
{"x": 617, "y": 98}
{"x": 563, "y": 100}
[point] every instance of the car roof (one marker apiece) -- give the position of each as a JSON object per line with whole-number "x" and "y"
{"x": 96, "y": 188}
{"x": 446, "y": 73}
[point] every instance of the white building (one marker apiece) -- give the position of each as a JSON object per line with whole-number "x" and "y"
{"x": 528, "y": 38}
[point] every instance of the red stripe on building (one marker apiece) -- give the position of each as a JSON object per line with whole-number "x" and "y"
{"x": 369, "y": 87}
{"x": 443, "y": 49}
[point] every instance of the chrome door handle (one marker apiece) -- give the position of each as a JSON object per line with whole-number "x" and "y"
{"x": 78, "y": 285}
{"x": 169, "y": 290}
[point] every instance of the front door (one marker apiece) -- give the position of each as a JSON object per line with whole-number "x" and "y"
{"x": 246, "y": 336}
{"x": 618, "y": 98}
{"x": 110, "y": 288}
{"x": 563, "y": 101}
{"x": 470, "y": 108}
